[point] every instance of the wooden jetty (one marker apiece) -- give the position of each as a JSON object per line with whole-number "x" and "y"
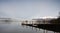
{"x": 51, "y": 27}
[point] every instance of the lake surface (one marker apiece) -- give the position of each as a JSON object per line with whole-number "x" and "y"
{"x": 16, "y": 27}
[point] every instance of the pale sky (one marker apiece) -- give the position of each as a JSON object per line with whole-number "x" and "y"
{"x": 29, "y": 8}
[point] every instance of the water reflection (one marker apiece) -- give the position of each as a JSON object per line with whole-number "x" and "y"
{"x": 16, "y": 27}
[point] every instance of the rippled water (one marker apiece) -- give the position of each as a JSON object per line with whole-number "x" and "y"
{"x": 16, "y": 27}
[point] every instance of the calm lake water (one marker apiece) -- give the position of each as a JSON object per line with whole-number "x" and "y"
{"x": 16, "y": 27}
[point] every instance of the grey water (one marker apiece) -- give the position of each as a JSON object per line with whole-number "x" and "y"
{"x": 16, "y": 27}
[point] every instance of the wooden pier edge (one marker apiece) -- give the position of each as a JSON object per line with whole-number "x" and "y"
{"x": 51, "y": 27}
